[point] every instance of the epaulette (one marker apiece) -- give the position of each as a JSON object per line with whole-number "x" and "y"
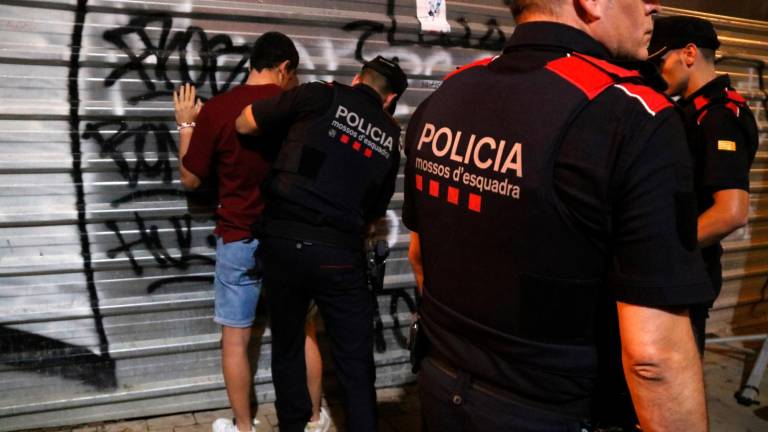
{"x": 730, "y": 98}
{"x": 592, "y": 76}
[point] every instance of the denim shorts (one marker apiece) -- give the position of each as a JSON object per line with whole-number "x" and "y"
{"x": 237, "y": 283}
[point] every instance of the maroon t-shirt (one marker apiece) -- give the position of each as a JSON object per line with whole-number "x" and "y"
{"x": 238, "y": 163}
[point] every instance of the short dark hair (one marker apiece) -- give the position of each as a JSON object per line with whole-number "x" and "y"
{"x": 376, "y": 80}
{"x": 708, "y": 55}
{"x": 271, "y": 49}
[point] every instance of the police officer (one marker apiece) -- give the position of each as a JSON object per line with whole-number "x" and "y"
{"x": 334, "y": 175}
{"x": 722, "y": 135}
{"x": 565, "y": 186}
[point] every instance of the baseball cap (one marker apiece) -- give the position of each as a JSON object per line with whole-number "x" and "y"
{"x": 676, "y": 32}
{"x": 389, "y": 69}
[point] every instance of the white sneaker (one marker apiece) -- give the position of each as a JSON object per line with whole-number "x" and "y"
{"x": 228, "y": 425}
{"x": 321, "y": 425}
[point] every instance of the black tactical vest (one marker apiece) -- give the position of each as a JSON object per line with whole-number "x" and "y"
{"x": 332, "y": 178}
{"x": 489, "y": 170}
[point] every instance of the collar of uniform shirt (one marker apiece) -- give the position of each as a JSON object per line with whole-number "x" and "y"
{"x": 715, "y": 86}
{"x": 555, "y": 35}
{"x": 369, "y": 91}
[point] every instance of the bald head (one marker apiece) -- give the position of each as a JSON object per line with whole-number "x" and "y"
{"x": 522, "y": 8}
{"x": 624, "y": 27}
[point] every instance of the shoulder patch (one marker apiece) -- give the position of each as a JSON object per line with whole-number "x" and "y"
{"x": 652, "y": 101}
{"x": 479, "y": 63}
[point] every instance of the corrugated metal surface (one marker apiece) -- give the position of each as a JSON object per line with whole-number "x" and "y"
{"x": 105, "y": 296}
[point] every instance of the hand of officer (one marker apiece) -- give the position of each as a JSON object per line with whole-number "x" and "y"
{"x": 186, "y": 106}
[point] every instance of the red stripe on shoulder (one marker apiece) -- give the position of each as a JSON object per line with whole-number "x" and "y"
{"x": 735, "y": 96}
{"x": 582, "y": 74}
{"x": 701, "y": 117}
{"x": 652, "y": 100}
{"x": 700, "y": 102}
{"x": 609, "y": 67}
{"x": 479, "y": 63}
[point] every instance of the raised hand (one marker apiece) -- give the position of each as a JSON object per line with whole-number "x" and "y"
{"x": 186, "y": 105}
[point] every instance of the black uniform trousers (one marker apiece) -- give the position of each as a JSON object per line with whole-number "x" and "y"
{"x": 452, "y": 402}
{"x": 700, "y": 312}
{"x": 294, "y": 273}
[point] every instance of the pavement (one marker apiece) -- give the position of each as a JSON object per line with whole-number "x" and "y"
{"x": 725, "y": 369}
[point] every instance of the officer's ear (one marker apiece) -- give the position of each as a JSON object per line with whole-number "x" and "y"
{"x": 589, "y": 10}
{"x": 690, "y": 54}
{"x": 286, "y": 77}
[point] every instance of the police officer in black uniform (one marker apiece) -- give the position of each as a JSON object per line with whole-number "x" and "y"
{"x": 334, "y": 176}
{"x": 722, "y": 136}
{"x": 566, "y": 186}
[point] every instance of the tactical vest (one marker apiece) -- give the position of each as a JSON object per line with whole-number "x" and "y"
{"x": 490, "y": 172}
{"x": 330, "y": 179}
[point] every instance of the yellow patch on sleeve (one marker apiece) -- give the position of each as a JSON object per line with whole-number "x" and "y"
{"x": 724, "y": 145}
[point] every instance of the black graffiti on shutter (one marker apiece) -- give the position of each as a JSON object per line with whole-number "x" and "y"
{"x": 52, "y": 357}
{"x": 42, "y": 354}
{"x": 493, "y": 39}
{"x": 149, "y": 239}
{"x": 134, "y": 140}
{"x": 167, "y": 45}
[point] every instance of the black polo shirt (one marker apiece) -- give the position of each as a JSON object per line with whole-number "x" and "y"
{"x": 622, "y": 176}
{"x": 723, "y": 140}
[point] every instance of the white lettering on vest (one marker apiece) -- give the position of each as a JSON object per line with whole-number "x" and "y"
{"x": 358, "y": 122}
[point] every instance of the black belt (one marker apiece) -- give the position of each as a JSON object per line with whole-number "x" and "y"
{"x": 317, "y": 234}
{"x": 478, "y": 385}
{"x": 492, "y": 390}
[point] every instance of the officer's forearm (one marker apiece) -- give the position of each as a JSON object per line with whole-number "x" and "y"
{"x": 246, "y": 123}
{"x": 663, "y": 369}
{"x": 729, "y": 212}
{"x": 188, "y": 180}
{"x": 414, "y": 257}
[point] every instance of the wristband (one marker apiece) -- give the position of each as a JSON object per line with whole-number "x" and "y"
{"x": 185, "y": 125}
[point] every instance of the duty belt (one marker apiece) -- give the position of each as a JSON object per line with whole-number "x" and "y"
{"x": 317, "y": 234}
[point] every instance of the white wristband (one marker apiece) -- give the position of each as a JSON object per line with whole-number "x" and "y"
{"x": 185, "y": 125}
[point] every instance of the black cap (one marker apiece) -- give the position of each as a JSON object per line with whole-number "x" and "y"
{"x": 389, "y": 69}
{"x": 676, "y": 32}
